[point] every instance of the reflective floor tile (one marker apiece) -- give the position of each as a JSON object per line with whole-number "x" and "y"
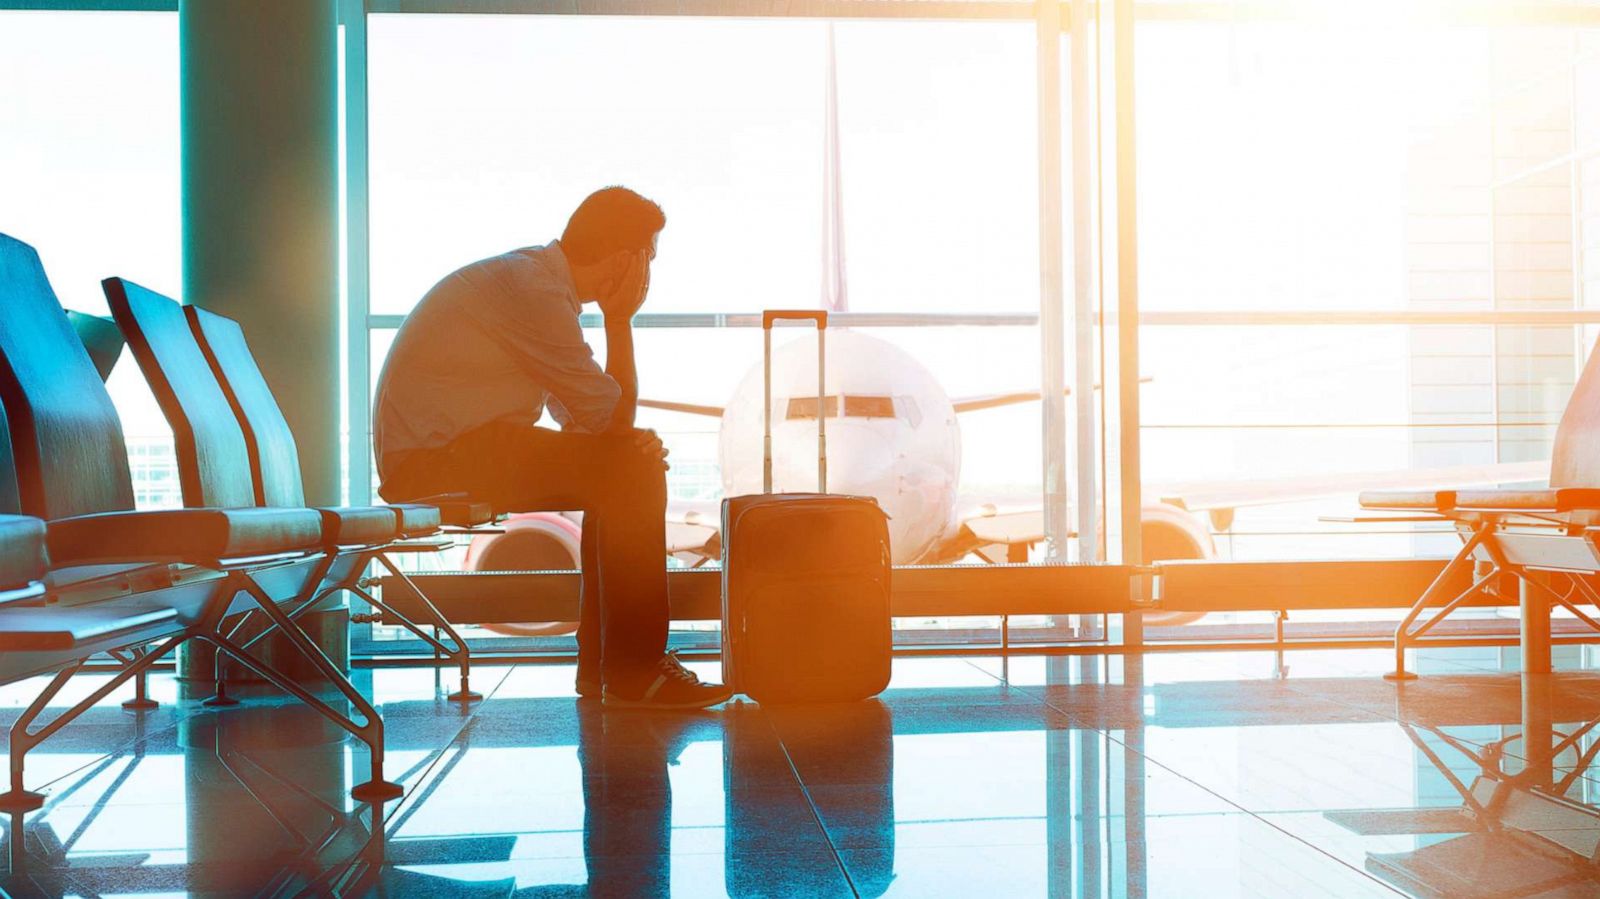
{"x": 759, "y": 874}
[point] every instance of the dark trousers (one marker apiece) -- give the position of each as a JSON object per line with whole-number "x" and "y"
{"x": 623, "y": 614}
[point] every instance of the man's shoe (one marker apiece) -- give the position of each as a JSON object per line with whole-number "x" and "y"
{"x": 668, "y": 685}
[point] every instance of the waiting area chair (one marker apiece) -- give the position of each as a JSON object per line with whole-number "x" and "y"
{"x": 130, "y": 583}
{"x": 1545, "y": 540}
{"x": 235, "y": 448}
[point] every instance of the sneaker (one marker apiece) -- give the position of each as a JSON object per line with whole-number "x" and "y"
{"x": 672, "y": 687}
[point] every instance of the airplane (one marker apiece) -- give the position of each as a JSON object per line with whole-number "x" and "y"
{"x": 894, "y": 434}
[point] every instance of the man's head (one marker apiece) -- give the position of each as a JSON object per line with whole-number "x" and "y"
{"x": 607, "y": 233}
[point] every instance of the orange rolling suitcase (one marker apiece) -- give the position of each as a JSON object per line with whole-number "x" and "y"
{"x": 805, "y": 578}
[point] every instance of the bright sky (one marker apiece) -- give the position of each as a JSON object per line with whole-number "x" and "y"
{"x": 1273, "y": 174}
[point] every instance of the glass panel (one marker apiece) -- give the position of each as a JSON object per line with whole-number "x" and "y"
{"x": 939, "y": 190}
{"x": 1326, "y": 204}
{"x": 89, "y": 175}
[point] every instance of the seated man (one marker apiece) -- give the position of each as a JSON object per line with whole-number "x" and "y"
{"x": 472, "y": 369}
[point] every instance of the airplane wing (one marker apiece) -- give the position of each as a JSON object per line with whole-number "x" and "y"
{"x": 694, "y": 528}
{"x": 1020, "y": 524}
{"x": 995, "y": 532}
{"x": 686, "y": 408}
{"x": 995, "y": 400}
{"x": 1233, "y": 494}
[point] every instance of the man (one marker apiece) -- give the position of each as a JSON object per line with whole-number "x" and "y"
{"x": 472, "y": 369}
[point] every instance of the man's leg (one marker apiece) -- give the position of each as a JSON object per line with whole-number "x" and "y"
{"x": 589, "y": 607}
{"x": 525, "y": 468}
{"x": 632, "y": 556}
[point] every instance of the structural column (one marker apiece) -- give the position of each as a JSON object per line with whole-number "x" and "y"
{"x": 261, "y": 200}
{"x": 261, "y": 231}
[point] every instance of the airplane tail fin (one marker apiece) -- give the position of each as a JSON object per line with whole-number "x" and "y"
{"x": 835, "y": 297}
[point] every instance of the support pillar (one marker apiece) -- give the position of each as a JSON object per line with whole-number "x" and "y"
{"x": 260, "y": 124}
{"x": 261, "y": 200}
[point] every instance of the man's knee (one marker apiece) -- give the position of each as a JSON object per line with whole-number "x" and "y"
{"x": 638, "y": 480}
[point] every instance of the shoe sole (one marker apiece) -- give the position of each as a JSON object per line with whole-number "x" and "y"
{"x": 617, "y": 702}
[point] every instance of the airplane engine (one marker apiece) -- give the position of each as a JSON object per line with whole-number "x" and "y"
{"x": 1172, "y": 532}
{"x": 533, "y": 541}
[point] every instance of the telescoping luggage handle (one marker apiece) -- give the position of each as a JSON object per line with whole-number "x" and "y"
{"x": 820, "y": 317}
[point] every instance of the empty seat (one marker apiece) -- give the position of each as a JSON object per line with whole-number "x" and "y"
{"x": 417, "y": 519}
{"x": 190, "y": 534}
{"x": 22, "y": 557}
{"x": 73, "y": 471}
{"x": 276, "y": 468}
{"x": 351, "y": 525}
{"x": 68, "y": 449}
{"x": 214, "y": 456}
{"x": 274, "y": 462}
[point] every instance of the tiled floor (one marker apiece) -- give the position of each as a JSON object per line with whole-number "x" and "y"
{"x": 1200, "y": 774}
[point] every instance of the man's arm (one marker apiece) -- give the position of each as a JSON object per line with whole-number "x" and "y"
{"x": 620, "y": 366}
{"x": 619, "y": 307}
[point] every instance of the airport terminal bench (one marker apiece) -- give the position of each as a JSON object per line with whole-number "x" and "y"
{"x": 235, "y": 448}
{"x": 1544, "y": 539}
{"x": 133, "y": 584}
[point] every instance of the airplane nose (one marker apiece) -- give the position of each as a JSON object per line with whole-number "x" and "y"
{"x": 859, "y": 461}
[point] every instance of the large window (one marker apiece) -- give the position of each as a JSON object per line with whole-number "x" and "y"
{"x": 1333, "y": 216}
{"x": 487, "y": 130}
{"x": 89, "y": 175}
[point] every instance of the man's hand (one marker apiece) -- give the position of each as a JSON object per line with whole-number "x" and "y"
{"x": 628, "y": 292}
{"x": 648, "y": 443}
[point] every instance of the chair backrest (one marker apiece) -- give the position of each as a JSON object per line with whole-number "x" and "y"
{"x": 1575, "y": 458}
{"x": 10, "y": 501}
{"x": 274, "y": 458}
{"x": 65, "y": 434}
{"x": 100, "y": 337}
{"x": 213, "y": 466}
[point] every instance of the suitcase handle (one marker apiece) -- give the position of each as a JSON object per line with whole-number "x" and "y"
{"x": 820, "y": 318}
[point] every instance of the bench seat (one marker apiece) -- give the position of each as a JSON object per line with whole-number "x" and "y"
{"x": 417, "y": 519}
{"x": 1566, "y": 499}
{"x": 190, "y": 534}
{"x": 351, "y": 525}
{"x": 1408, "y": 500}
{"x": 57, "y": 627}
{"x": 22, "y": 558}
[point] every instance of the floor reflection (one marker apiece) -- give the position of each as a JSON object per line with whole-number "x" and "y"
{"x": 1201, "y": 774}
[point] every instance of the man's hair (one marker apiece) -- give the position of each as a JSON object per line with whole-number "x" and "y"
{"x": 609, "y": 220}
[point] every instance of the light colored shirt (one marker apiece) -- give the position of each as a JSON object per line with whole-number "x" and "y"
{"x": 497, "y": 340}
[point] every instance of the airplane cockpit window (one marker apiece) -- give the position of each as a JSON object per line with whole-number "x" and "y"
{"x": 804, "y": 408}
{"x": 908, "y": 409}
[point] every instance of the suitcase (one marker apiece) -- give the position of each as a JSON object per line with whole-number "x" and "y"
{"x": 805, "y": 578}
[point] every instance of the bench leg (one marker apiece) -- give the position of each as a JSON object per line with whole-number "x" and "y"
{"x": 141, "y": 701}
{"x": 462, "y": 655}
{"x": 1403, "y": 633}
{"x": 369, "y": 732}
{"x": 18, "y": 798}
{"x": 1535, "y": 629}
{"x": 23, "y": 738}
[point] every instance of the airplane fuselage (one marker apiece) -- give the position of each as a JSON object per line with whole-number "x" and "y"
{"x": 892, "y": 434}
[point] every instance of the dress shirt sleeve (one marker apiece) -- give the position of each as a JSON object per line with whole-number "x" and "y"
{"x": 537, "y": 323}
